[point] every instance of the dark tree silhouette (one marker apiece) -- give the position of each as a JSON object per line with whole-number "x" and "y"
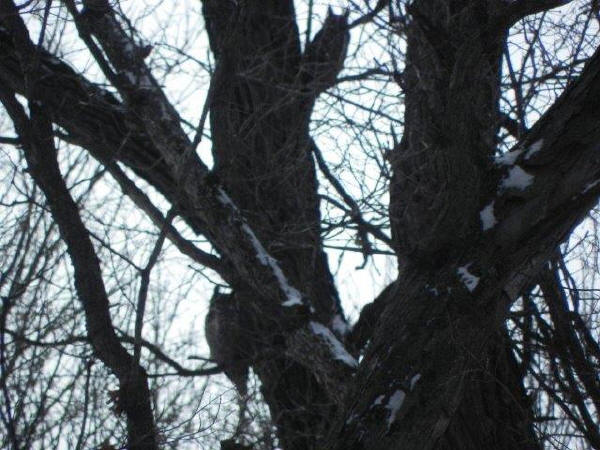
{"x": 481, "y": 319}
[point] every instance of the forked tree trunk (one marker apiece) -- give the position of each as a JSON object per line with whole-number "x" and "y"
{"x": 260, "y": 111}
{"x": 437, "y": 372}
{"x": 418, "y": 385}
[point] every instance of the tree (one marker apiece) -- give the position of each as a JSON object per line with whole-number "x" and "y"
{"x": 479, "y": 315}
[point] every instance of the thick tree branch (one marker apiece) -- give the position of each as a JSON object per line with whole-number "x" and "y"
{"x": 185, "y": 246}
{"x": 37, "y": 137}
{"x": 546, "y": 186}
{"x": 517, "y": 9}
{"x": 155, "y": 148}
{"x": 9, "y": 140}
{"x": 534, "y": 207}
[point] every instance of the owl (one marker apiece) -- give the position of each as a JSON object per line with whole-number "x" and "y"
{"x": 226, "y": 341}
{"x": 324, "y": 55}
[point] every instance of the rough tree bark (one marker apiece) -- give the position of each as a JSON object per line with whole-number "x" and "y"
{"x": 437, "y": 368}
{"x": 263, "y": 91}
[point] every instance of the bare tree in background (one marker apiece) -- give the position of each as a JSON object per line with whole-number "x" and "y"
{"x": 478, "y": 119}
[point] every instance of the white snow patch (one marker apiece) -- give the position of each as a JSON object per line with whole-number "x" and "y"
{"x": 509, "y": 158}
{"x": 378, "y": 400}
{"x": 433, "y": 290}
{"x": 129, "y": 49}
{"x": 590, "y": 186}
{"x": 225, "y": 199}
{"x": 534, "y": 148}
{"x": 351, "y": 419}
{"x": 469, "y": 280}
{"x": 394, "y": 405}
{"x": 335, "y": 346}
{"x": 414, "y": 380}
{"x": 488, "y": 220}
{"x": 293, "y": 296}
{"x": 517, "y": 178}
{"x": 261, "y": 253}
{"x": 339, "y": 325}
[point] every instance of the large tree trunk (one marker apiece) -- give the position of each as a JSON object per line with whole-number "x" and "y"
{"x": 441, "y": 179}
{"x": 495, "y": 411}
{"x": 451, "y": 87}
{"x": 260, "y": 106}
{"x": 420, "y": 373}
{"x": 436, "y": 371}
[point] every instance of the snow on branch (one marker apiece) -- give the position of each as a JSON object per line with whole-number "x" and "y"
{"x": 317, "y": 348}
{"x": 468, "y": 279}
{"x": 517, "y": 178}
{"x": 293, "y": 296}
{"x": 337, "y": 349}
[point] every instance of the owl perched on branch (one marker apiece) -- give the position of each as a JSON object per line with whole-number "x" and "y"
{"x": 225, "y": 337}
{"x": 324, "y": 55}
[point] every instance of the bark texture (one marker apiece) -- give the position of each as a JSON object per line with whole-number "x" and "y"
{"x": 441, "y": 168}
{"x": 264, "y": 89}
{"x": 437, "y": 372}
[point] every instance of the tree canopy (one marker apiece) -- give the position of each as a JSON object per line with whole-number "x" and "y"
{"x": 189, "y": 189}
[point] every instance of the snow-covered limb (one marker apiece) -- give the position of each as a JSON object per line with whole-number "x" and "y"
{"x": 509, "y": 158}
{"x": 395, "y": 400}
{"x": 317, "y": 348}
{"x": 339, "y": 325}
{"x": 393, "y": 405}
{"x": 337, "y": 349}
{"x": 588, "y": 187}
{"x": 414, "y": 380}
{"x": 293, "y": 296}
{"x": 534, "y": 148}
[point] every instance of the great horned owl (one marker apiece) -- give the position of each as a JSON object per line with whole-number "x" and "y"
{"x": 225, "y": 338}
{"x": 324, "y": 55}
